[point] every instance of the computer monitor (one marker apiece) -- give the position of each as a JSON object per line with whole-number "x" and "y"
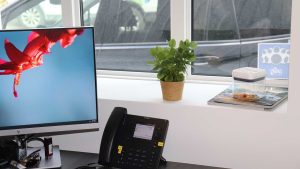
{"x": 47, "y": 81}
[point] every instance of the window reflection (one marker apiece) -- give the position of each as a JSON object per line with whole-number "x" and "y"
{"x": 125, "y": 30}
{"x": 228, "y": 32}
{"x": 31, "y": 14}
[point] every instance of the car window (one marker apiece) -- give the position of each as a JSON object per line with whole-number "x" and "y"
{"x": 214, "y": 20}
{"x": 228, "y": 32}
{"x": 32, "y": 14}
{"x": 90, "y": 10}
{"x": 257, "y": 18}
{"x": 125, "y": 30}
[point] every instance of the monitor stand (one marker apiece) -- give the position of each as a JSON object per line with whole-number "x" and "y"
{"x": 53, "y": 162}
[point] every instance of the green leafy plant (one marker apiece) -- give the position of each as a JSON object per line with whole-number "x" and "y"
{"x": 171, "y": 62}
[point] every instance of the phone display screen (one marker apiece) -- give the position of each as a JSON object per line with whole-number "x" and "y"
{"x": 143, "y": 131}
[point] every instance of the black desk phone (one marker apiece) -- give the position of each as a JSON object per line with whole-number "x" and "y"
{"x": 132, "y": 142}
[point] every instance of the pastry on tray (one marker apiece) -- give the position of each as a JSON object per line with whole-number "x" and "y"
{"x": 246, "y": 97}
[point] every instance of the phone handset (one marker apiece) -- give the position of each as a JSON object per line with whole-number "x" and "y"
{"x": 110, "y": 131}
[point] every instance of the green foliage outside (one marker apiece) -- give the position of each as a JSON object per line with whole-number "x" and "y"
{"x": 171, "y": 62}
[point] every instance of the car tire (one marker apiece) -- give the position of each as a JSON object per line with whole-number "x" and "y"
{"x": 32, "y": 18}
{"x": 139, "y": 17}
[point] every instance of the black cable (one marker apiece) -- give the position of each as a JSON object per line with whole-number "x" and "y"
{"x": 163, "y": 161}
{"x": 3, "y": 162}
{"x": 85, "y": 167}
{"x": 91, "y": 166}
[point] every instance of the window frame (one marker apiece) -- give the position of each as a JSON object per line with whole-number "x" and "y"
{"x": 181, "y": 28}
{"x": 71, "y": 13}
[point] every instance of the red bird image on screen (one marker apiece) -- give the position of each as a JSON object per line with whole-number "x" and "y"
{"x": 39, "y": 43}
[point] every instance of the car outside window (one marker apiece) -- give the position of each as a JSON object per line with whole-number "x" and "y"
{"x": 31, "y": 14}
{"x": 125, "y": 30}
{"x": 228, "y": 32}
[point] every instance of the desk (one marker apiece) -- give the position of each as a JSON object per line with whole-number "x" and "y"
{"x": 72, "y": 160}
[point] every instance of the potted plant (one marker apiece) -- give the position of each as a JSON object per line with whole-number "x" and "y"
{"x": 171, "y": 64}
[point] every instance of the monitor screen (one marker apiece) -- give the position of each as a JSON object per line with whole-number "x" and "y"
{"x": 47, "y": 78}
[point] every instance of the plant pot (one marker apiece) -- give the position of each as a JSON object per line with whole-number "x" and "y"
{"x": 172, "y": 91}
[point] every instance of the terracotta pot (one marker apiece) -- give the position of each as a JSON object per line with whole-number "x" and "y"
{"x": 172, "y": 91}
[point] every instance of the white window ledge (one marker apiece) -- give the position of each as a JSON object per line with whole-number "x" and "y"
{"x": 148, "y": 91}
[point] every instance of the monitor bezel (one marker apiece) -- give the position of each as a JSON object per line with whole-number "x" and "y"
{"x": 58, "y": 128}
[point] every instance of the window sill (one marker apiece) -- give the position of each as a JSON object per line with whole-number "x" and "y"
{"x": 148, "y": 91}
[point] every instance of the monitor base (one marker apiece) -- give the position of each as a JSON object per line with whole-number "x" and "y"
{"x": 53, "y": 162}
{"x": 24, "y": 152}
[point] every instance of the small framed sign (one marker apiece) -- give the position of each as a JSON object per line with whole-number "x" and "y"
{"x": 274, "y": 59}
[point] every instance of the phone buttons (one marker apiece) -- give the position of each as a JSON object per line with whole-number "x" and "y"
{"x": 120, "y": 148}
{"x": 160, "y": 144}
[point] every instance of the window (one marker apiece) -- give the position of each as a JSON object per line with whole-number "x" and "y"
{"x": 125, "y": 30}
{"x": 31, "y": 14}
{"x": 228, "y": 32}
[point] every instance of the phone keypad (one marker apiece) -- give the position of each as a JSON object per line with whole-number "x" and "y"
{"x": 138, "y": 159}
